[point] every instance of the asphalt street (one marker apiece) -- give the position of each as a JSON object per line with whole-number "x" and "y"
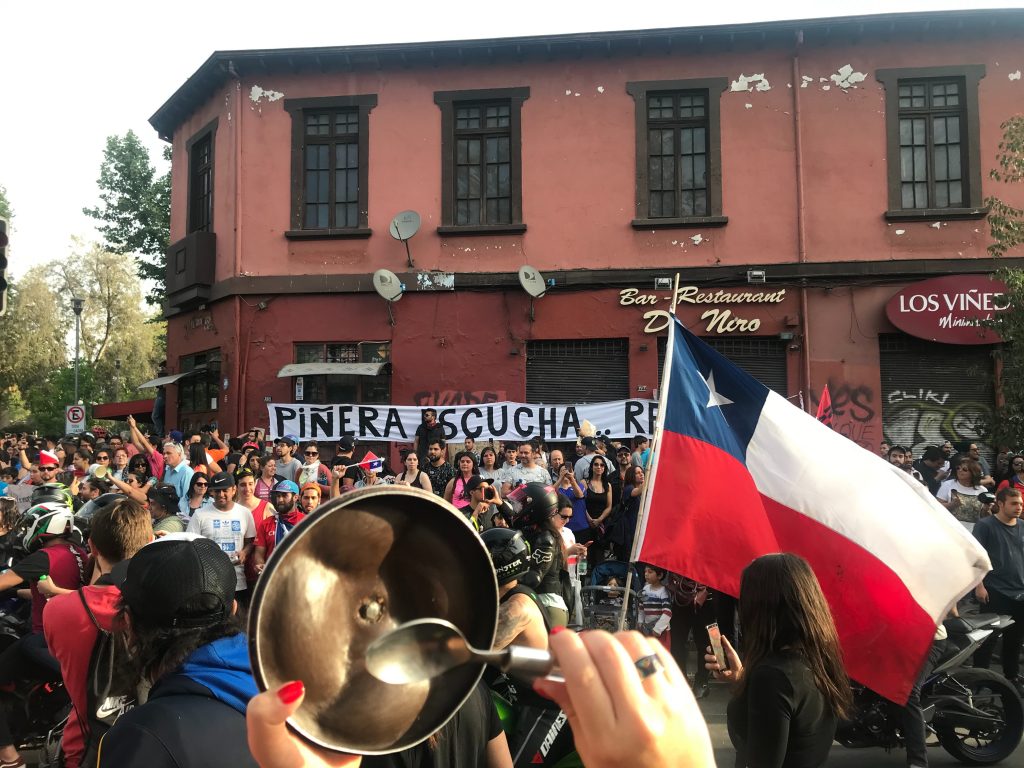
{"x": 714, "y": 706}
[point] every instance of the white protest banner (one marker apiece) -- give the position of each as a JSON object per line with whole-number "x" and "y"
{"x": 501, "y": 421}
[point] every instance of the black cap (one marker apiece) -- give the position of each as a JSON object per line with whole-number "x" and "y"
{"x": 222, "y": 480}
{"x": 476, "y": 481}
{"x": 346, "y": 443}
{"x": 287, "y": 440}
{"x": 164, "y": 495}
{"x": 180, "y": 583}
{"x": 588, "y": 442}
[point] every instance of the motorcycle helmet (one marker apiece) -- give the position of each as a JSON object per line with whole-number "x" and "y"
{"x": 51, "y": 521}
{"x": 509, "y": 551}
{"x": 56, "y": 493}
{"x": 539, "y": 502}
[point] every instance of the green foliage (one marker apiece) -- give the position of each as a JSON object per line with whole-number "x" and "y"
{"x": 1006, "y": 223}
{"x": 135, "y": 207}
{"x": 5, "y": 204}
{"x": 46, "y": 399}
{"x": 120, "y": 345}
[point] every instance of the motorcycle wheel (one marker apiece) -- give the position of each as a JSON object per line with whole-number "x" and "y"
{"x": 992, "y": 693}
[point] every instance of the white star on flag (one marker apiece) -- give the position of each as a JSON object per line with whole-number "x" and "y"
{"x": 715, "y": 398}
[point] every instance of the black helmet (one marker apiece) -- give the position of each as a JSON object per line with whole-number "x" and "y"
{"x": 539, "y": 503}
{"x": 509, "y": 551}
{"x": 52, "y": 493}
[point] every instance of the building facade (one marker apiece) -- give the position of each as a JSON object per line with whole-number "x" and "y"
{"x": 795, "y": 176}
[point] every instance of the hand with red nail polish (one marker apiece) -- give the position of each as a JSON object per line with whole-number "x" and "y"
{"x": 273, "y": 745}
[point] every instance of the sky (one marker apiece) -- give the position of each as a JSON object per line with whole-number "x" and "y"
{"x": 74, "y": 73}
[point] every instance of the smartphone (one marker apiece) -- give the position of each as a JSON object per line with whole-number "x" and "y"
{"x": 715, "y": 636}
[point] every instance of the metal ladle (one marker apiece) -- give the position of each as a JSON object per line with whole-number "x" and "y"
{"x": 425, "y": 648}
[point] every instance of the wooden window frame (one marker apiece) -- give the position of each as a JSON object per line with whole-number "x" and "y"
{"x": 298, "y": 108}
{"x": 210, "y": 376}
{"x": 207, "y": 133}
{"x": 447, "y": 102}
{"x": 713, "y": 87}
{"x": 970, "y": 75}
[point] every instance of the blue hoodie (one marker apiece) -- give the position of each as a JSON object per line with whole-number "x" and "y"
{"x": 223, "y": 667}
{"x": 194, "y": 718}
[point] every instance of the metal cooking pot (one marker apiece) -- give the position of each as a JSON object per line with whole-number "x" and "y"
{"x": 357, "y": 567}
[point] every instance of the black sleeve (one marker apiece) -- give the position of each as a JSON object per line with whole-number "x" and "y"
{"x": 542, "y": 558}
{"x": 769, "y": 711}
{"x": 32, "y": 567}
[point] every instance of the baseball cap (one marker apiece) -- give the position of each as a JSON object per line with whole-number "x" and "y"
{"x": 476, "y": 481}
{"x": 285, "y": 486}
{"x": 48, "y": 459}
{"x": 346, "y": 443}
{"x": 176, "y": 583}
{"x": 222, "y": 480}
{"x": 287, "y": 440}
{"x": 588, "y": 442}
{"x": 164, "y": 495}
{"x": 176, "y": 435}
{"x": 623, "y": 449}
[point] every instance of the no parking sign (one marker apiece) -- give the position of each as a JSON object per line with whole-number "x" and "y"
{"x": 74, "y": 419}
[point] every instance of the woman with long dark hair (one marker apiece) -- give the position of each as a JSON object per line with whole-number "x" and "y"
{"x": 267, "y": 477}
{"x": 197, "y": 497}
{"x": 412, "y": 474}
{"x": 455, "y": 492}
{"x": 793, "y": 688}
{"x": 488, "y": 463}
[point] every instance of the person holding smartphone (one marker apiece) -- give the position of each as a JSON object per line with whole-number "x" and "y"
{"x": 793, "y": 689}
{"x": 483, "y": 497}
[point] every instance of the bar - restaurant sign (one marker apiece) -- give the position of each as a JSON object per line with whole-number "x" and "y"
{"x": 949, "y": 310}
{"x": 718, "y": 319}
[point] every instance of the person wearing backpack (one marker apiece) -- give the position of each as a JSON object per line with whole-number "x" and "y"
{"x": 177, "y": 615}
{"x": 78, "y": 624}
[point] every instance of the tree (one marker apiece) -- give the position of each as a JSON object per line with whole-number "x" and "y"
{"x": 33, "y": 337}
{"x": 5, "y": 204}
{"x": 135, "y": 207}
{"x": 1006, "y": 224}
{"x": 118, "y": 341}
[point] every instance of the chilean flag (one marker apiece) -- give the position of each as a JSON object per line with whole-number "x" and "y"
{"x": 739, "y": 472}
{"x": 371, "y": 462}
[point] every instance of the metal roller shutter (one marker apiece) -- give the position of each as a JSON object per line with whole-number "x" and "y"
{"x": 763, "y": 357}
{"x": 935, "y": 392}
{"x": 577, "y": 370}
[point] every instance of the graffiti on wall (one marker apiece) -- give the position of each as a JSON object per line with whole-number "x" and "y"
{"x": 917, "y": 418}
{"x": 853, "y": 412}
{"x": 458, "y": 397}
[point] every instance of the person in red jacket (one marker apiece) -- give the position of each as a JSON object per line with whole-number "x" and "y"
{"x": 118, "y": 531}
{"x": 273, "y": 528}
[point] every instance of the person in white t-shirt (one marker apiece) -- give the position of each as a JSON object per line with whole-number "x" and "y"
{"x": 228, "y": 524}
{"x": 961, "y": 493}
{"x": 526, "y": 471}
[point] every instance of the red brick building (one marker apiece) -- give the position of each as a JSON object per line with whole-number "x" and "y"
{"x": 795, "y": 175}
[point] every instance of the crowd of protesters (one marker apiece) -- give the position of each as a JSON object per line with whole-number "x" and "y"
{"x": 215, "y": 510}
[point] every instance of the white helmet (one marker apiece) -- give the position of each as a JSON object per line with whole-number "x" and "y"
{"x": 51, "y": 520}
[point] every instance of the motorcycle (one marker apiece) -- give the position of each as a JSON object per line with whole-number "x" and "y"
{"x": 37, "y": 711}
{"x": 976, "y": 714}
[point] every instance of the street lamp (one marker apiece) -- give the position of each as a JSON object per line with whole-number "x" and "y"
{"x": 77, "y": 305}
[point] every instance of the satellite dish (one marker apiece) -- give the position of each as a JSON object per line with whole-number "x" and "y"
{"x": 389, "y": 287}
{"x": 402, "y": 227}
{"x": 387, "y": 284}
{"x": 532, "y": 281}
{"x": 405, "y": 225}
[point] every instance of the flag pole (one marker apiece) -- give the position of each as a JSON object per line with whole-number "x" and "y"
{"x": 655, "y": 446}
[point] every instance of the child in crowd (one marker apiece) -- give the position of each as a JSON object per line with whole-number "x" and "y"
{"x": 656, "y": 606}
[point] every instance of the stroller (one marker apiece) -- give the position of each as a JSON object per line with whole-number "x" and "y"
{"x": 602, "y": 603}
